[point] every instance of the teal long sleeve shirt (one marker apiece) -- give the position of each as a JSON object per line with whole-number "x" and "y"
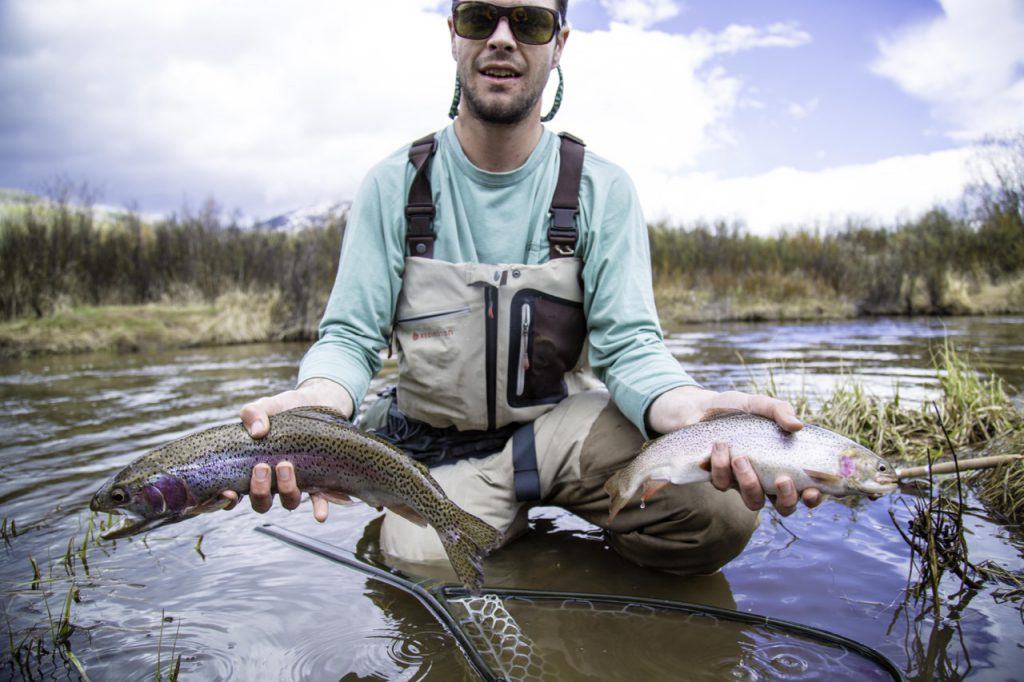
{"x": 500, "y": 218}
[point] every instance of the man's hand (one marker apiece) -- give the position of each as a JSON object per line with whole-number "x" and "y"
{"x": 256, "y": 417}
{"x": 687, "y": 405}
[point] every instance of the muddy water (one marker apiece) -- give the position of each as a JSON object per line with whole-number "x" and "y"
{"x": 243, "y": 605}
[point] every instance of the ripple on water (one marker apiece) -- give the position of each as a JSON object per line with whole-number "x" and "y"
{"x": 384, "y": 653}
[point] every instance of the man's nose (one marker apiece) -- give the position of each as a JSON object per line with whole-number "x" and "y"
{"x": 502, "y": 38}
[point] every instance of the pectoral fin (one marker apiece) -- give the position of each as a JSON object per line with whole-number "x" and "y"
{"x": 822, "y": 476}
{"x": 336, "y": 497}
{"x": 651, "y": 487}
{"x": 211, "y": 505}
{"x": 408, "y": 513}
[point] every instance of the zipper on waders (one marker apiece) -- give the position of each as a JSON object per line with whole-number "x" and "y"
{"x": 491, "y": 329}
{"x": 524, "y": 350}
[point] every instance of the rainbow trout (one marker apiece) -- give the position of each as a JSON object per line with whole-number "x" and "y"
{"x": 813, "y": 457}
{"x": 185, "y": 478}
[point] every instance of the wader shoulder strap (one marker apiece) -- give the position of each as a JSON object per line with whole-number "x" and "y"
{"x": 419, "y": 210}
{"x": 565, "y": 205}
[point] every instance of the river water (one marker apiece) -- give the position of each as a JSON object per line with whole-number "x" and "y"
{"x": 243, "y": 605}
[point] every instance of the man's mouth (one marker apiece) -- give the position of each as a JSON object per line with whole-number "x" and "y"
{"x": 499, "y": 74}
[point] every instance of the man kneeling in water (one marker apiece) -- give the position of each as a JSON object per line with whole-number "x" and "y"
{"x": 510, "y": 269}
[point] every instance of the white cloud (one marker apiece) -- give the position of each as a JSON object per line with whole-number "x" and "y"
{"x": 885, "y": 191}
{"x": 642, "y": 13}
{"x": 266, "y": 105}
{"x": 799, "y": 110}
{"x": 967, "y": 63}
{"x": 269, "y": 107}
{"x": 737, "y": 38}
{"x": 676, "y": 100}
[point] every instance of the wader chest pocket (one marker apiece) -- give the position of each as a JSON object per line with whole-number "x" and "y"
{"x": 436, "y": 316}
{"x": 440, "y": 361}
{"x": 547, "y": 336}
{"x": 432, "y": 340}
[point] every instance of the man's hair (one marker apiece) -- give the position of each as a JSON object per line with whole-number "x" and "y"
{"x": 563, "y": 8}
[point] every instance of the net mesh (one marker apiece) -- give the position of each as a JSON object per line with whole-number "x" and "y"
{"x": 498, "y": 637}
{"x": 583, "y": 638}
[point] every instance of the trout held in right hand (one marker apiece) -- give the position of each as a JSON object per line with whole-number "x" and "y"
{"x": 185, "y": 478}
{"x": 813, "y": 457}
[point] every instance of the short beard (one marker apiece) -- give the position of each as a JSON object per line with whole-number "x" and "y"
{"x": 498, "y": 113}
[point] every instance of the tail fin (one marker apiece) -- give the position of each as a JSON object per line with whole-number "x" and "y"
{"x": 613, "y": 486}
{"x": 467, "y": 542}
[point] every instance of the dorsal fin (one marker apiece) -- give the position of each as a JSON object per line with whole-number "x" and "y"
{"x": 324, "y": 414}
{"x": 714, "y": 413}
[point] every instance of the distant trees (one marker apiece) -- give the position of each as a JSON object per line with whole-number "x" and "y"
{"x": 901, "y": 269}
{"x": 59, "y": 253}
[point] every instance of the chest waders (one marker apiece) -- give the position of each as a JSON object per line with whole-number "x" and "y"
{"x": 483, "y": 349}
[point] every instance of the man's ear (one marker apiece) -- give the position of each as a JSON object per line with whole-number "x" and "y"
{"x": 560, "y": 39}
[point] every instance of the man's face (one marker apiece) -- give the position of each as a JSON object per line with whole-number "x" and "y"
{"x": 503, "y": 79}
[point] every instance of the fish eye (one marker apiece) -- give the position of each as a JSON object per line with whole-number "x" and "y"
{"x": 119, "y": 495}
{"x": 881, "y": 467}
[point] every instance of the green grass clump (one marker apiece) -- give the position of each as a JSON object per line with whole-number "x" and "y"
{"x": 974, "y": 407}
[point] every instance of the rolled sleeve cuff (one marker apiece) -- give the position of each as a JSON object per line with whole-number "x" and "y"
{"x": 634, "y": 398}
{"x": 328, "y": 363}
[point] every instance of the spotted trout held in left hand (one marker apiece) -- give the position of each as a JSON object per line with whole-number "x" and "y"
{"x": 185, "y": 478}
{"x": 812, "y": 457}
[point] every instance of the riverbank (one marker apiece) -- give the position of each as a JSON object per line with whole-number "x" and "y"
{"x": 243, "y": 317}
{"x": 231, "y": 319}
{"x": 766, "y": 297}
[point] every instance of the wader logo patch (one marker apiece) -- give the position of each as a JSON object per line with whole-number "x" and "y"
{"x": 416, "y": 336}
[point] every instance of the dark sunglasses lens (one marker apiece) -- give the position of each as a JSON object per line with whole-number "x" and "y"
{"x": 475, "y": 20}
{"x": 532, "y": 25}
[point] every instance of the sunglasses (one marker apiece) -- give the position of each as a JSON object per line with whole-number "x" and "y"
{"x": 530, "y": 25}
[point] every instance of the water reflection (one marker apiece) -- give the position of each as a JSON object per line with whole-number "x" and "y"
{"x": 253, "y": 609}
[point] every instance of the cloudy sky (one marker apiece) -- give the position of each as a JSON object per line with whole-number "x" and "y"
{"x": 788, "y": 112}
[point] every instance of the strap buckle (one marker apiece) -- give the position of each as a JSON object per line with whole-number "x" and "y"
{"x": 413, "y": 211}
{"x": 564, "y": 219}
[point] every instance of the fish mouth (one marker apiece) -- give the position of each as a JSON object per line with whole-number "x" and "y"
{"x": 881, "y": 490}
{"x": 131, "y": 524}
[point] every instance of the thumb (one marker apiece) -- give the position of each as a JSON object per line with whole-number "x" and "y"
{"x": 256, "y": 420}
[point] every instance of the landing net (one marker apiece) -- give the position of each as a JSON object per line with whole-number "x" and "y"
{"x": 509, "y": 634}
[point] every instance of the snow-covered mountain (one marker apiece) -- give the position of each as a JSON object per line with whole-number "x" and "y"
{"x": 304, "y": 218}
{"x": 13, "y": 200}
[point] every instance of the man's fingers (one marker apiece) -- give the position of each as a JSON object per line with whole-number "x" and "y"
{"x": 230, "y": 495}
{"x": 750, "y": 487}
{"x": 259, "y": 488}
{"x": 812, "y": 497}
{"x": 287, "y": 487}
{"x": 320, "y": 506}
{"x": 785, "y": 495}
{"x": 721, "y": 471}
